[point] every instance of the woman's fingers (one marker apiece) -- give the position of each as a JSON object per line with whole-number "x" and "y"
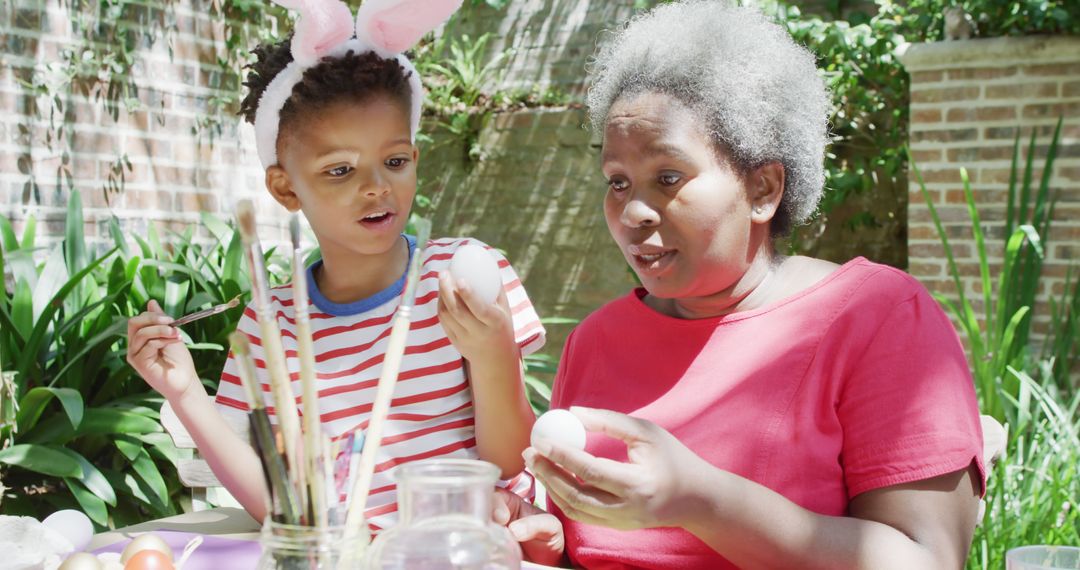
{"x": 577, "y": 494}
{"x": 614, "y": 424}
{"x": 600, "y": 472}
{"x": 571, "y": 510}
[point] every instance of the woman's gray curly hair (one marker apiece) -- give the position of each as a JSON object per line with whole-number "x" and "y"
{"x": 758, "y": 93}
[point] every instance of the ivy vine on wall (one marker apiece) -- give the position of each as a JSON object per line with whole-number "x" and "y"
{"x": 102, "y": 62}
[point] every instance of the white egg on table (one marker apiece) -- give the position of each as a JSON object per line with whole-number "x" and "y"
{"x": 561, "y": 427}
{"x": 474, "y": 265}
{"x": 72, "y": 525}
{"x": 81, "y": 561}
{"x": 145, "y": 542}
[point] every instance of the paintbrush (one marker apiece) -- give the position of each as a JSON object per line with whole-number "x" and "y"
{"x": 314, "y": 471}
{"x": 206, "y": 312}
{"x": 283, "y": 501}
{"x": 395, "y": 350}
{"x": 280, "y": 383}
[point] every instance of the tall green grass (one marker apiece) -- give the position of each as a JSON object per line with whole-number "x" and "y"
{"x": 1033, "y": 491}
{"x": 1000, "y": 337}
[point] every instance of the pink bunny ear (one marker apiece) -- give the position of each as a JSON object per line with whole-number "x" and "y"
{"x": 323, "y": 25}
{"x": 393, "y": 26}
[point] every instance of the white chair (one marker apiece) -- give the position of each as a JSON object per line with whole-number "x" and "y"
{"x": 206, "y": 491}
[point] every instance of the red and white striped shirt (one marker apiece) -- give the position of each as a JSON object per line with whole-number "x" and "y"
{"x": 432, "y": 410}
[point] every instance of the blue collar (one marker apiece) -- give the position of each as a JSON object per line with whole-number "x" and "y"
{"x": 362, "y": 305}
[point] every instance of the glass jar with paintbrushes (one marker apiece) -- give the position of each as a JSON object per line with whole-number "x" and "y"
{"x": 303, "y": 529}
{"x": 295, "y": 457}
{"x": 288, "y": 539}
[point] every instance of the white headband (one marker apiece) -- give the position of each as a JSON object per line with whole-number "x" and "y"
{"x": 326, "y": 29}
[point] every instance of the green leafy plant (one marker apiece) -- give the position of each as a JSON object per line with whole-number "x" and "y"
{"x": 1032, "y": 493}
{"x": 864, "y": 210}
{"x": 459, "y": 78}
{"x": 1031, "y": 497}
{"x": 992, "y": 18}
{"x": 87, "y": 431}
{"x": 1000, "y": 338}
{"x": 540, "y": 369}
{"x": 1060, "y": 347}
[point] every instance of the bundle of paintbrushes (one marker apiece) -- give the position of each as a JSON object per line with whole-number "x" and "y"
{"x": 300, "y": 464}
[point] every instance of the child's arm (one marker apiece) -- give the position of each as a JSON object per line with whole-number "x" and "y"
{"x": 925, "y": 524}
{"x": 156, "y": 352}
{"x": 484, "y": 335}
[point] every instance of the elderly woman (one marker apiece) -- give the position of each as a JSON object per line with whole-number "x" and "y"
{"x": 745, "y": 408}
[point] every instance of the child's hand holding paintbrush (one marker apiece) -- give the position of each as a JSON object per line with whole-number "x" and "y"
{"x": 156, "y": 349}
{"x": 157, "y": 352}
{"x": 198, "y": 315}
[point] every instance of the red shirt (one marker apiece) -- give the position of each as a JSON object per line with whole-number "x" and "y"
{"x": 857, "y": 383}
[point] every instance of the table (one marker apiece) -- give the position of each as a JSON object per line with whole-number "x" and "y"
{"x": 233, "y": 526}
{"x": 224, "y": 522}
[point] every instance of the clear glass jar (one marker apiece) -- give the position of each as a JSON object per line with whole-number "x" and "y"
{"x": 293, "y": 547}
{"x": 445, "y": 524}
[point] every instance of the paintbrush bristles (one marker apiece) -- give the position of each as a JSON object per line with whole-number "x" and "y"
{"x": 294, "y": 231}
{"x": 245, "y": 219}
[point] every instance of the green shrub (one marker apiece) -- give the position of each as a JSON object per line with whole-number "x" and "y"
{"x": 924, "y": 19}
{"x": 87, "y": 433}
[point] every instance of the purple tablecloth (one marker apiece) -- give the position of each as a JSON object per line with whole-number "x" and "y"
{"x": 216, "y": 553}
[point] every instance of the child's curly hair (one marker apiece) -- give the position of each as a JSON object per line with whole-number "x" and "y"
{"x": 352, "y": 77}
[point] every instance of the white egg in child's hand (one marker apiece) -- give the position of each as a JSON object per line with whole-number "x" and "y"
{"x": 474, "y": 265}
{"x": 72, "y": 525}
{"x": 561, "y": 427}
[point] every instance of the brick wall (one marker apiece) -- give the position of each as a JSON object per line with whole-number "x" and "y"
{"x": 539, "y": 197}
{"x": 538, "y": 193}
{"x": 549, "y": 41}
{"x": 968, "y": 101}
{"x": 175, "y": 172}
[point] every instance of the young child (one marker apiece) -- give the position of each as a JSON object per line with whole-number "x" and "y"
{"x": 335, "y": 121}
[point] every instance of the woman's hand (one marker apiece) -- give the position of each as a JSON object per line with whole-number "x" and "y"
{"x": 539, "y": 532}
{"x": 655, "y": 488}
{"x": 475, "y": 327}
{"x": 157, "y": 353}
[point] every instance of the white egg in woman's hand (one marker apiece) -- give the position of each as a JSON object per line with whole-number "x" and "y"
{"x": 561, "y": 427}
{"x": 474, "y": 265}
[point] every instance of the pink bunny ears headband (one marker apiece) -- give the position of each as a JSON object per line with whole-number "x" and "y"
{"x": 325, "y": 28}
